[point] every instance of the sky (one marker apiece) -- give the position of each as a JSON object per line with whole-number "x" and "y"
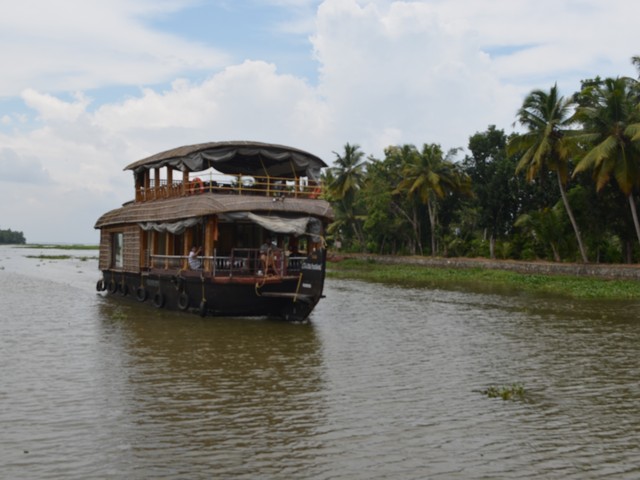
{"x": 90, "y": 86}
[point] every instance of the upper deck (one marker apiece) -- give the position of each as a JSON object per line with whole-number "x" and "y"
{"x": 221, "y": 177}
{"x": 151, "y": 188}
{"x": 238, "y": 167}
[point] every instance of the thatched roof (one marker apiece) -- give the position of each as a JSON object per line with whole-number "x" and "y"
{"x": 237, "y": 157}
{"x": 173, "y": 209}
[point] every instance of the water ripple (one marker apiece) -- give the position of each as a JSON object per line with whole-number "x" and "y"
{"x": 383, "y": 383}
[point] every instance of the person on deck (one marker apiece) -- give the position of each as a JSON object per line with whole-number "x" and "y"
{"x": 194, "y": 262}
{"x": 265, "y": 252}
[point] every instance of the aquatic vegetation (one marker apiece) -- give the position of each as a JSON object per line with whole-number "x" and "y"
{"x": 83, "y": 258}
{"x": 60, "y": 247}
{"x": 119, "y": 314}
{"x": 514, "y": 391}
{"x": 413, "y": 275}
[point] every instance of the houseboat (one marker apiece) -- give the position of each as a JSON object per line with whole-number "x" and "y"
{"x": 222, "y": 228}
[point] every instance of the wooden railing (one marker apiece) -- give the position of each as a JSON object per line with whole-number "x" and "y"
{"x": 238, "y": 185}
{"x": 241, "y": 262}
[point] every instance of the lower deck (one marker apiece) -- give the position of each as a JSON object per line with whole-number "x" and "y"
{"x": 290, "y": 292}
{"x": 240, "y": 263}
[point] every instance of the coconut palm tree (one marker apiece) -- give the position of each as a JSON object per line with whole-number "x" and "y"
{"x": 545, "y": 144}
{"x": 348, "y": 174}
{"x": 407, "y": 207}
{"x": 609, "y": 112}
{"x": 545, "y": 226}
{"x": 430, "y": 175}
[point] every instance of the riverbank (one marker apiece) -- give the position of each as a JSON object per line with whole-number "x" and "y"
{"x": 615, "y": 282}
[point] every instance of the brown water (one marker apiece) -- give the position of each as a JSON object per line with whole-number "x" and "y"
{"x": 383, "y": 382}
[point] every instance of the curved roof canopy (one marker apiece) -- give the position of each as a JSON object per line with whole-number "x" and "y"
{"x": 237, "y": 157}
{"x": 179, "y": 208}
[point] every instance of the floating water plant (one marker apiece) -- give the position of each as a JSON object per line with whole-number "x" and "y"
{"x": 50, "y": 257}
{"x": 506, "y": 392}
{"x": 119, "y": 314}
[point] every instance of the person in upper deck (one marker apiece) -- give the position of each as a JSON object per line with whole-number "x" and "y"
{"x": 194, "y": 262}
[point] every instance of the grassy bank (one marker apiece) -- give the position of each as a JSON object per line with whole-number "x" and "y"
{"x": 481, "y": 279}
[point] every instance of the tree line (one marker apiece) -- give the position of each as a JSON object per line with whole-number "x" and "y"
{"x": 562, "y": 189}
{"x": 10, "y": 237}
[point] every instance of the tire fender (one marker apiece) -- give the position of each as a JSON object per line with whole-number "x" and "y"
{"x": 183, "y": 301}
{"x": 141, "y": 294}
{"x": 158, "y": 300}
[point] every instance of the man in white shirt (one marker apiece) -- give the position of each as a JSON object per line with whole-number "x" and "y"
{"x": 194, "y": 262}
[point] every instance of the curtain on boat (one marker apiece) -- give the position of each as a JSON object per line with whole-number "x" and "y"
{"x": 281, "y": 224}
{"x": 274, "y": 223}
{"x": 176, "y": 228}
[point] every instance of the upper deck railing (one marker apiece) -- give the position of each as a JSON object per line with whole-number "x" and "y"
{"x": 238, "y": 185}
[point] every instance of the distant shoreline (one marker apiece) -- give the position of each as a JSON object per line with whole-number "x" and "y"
{"x": 56, "y": 246}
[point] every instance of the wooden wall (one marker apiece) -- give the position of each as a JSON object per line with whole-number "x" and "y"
{"x": 131, "y": 244}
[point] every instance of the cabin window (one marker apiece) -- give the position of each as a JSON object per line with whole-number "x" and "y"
{"x": 225, "y": 238}
{"x": 178, "y": 245}
{"x": 247, "y": 235}
{"x": 117, "y": 249}
{"x": 161, "y": 244}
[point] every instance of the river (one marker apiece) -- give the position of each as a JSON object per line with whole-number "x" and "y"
{"x": 383, "y": 382}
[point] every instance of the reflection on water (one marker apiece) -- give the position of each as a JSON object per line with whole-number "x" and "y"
{"x": 212, "y": 386}
{"x": 384, "y": 382}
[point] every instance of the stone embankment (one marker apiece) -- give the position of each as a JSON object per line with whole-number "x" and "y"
{"x": 607, "y": 271}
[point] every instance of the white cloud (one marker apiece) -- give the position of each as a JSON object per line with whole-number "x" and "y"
{"x": 85, "y": 44}
{"x": 19, "y": 169}
{"x": 52, "y": 108}
{"x": 85, "y": 152}
{"x": 245, "y": 102}
{"x": 400, "y": 69}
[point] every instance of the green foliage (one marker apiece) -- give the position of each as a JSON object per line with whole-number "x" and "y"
{"x": 495, "y": 188}
{"x": 119, "y": 314}
{"x": 505, "y": 392}
{"x": 50, "y": 257}
{"x": 609, "y": 110}
{"x": 482, "y": 279}
{"x": 61, "y": 257}
{"x": 344, "y": 182}
{"x": 574, "y": 177}
{"x": 9, "y": 237}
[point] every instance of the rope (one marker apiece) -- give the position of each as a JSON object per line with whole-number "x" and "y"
{"x": 203, "y": 296}
{"x": 295, "y": 297}
{"x": 260, "y": 284}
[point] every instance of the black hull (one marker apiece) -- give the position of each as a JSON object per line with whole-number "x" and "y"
{"x": 291, "y": 298}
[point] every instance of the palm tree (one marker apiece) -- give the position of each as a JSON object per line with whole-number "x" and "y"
{"x": 430, "y": 176}
{"x": 635, "y": 60}
{"x": 400, "y": 157}
{"x": 546, "y": 146}
{"x": 609, "y": 112}
{"x": 348, "y": 175}
{"x": 545, "y": 226}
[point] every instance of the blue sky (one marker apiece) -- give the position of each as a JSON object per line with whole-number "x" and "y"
{"x": 250, "y": 29}
{"x": 90, "y": 86}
